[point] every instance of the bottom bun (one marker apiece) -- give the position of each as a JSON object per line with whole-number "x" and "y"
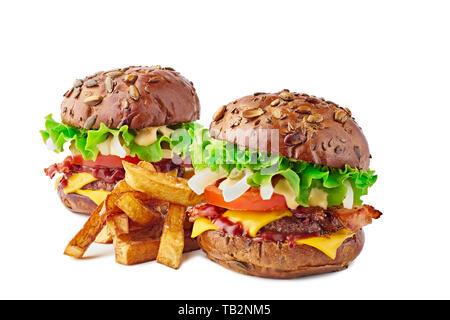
{"x": 76, "y": 202}
{"x": 276, "y": 259}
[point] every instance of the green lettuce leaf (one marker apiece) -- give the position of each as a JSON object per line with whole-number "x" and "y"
{"x": 86, "y": 141}
{"x": 301, "y": 175}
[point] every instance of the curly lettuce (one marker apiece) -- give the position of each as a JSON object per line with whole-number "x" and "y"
{"x": 301, "y": 175}
{"x": 86, "y": 141}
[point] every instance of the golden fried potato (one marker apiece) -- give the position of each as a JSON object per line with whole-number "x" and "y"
{"x": 172, "y": 238}
{"x": 161, "y": 186}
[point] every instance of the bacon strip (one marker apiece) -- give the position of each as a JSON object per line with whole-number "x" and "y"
{"x": 356, "y": 218}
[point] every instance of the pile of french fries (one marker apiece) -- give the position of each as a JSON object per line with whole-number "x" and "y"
{"x": 132, "y": 218}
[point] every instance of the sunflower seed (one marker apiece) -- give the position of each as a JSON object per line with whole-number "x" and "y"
{"x": 276, "y": 113}
{"x": 304, "y": 109}
{"x": 76, "y": 92}
{"x": 91, "y": 83}
{"x": 219, "y": 113}
{"x": 131, "y": 78}
{"x": 134, "y": 93}
{"x": 286, "y": 96}
{"x": 295, "y": 138}
{"x": 275, "y": 102}
{"x": 114, "y": 74}
{"x": 315, "y": 118}
{"x": 109, "y": 84}
{"x": 68, "y": 93}
{"x": 90, "y": 122}
{"x": 93, "y": 100}
{"x": 252, "y": 113}
{"x": 77, "y": 83}
{"x": 154, "y": 80}
{"x": 340, "y": 116}
{"x": 124, "y": 104}
{"x": 348, "y": 111}
{"x": 236, "y": 123}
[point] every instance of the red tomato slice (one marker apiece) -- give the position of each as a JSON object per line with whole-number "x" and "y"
{"x": 249, "y": 201}
{"x": 104, "y": 161}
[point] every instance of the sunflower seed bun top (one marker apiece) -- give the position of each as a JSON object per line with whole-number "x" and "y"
{"x": 136, "y": 96}
{"x": 310, "y": 128}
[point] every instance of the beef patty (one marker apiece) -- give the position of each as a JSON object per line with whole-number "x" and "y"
{"x": 305, "y": 221}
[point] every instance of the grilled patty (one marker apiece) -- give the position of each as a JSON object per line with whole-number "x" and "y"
{"x": 305, "y": 221}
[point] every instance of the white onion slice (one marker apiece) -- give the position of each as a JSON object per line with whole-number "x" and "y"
{"x": 116, "y": 148}
{"x": 50, "y": 145}
{"x": 348, "y": 200}
{"x": 204, "y": 178}
{"x": 104, "y": 147}
{"x": 237, "y": 189}
{"x": 266, "y": 191}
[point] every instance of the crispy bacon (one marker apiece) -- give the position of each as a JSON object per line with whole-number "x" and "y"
{"x": 205, "y": 210}
{"x": 356, "y": 218}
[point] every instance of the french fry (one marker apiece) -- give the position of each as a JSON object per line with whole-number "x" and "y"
{"x": 172, "y": 238}
{"x": 138, "y": 247}
{"x": 136, "y": 210}
{"x": 118, "y": 224}
{"x": 122, "y": 186}
{"x": 146, "y": 165}
{"x": 83, "y": 239}
{"x": 130, "y": 251}
{"x": 104, "y": 237}
{"x": 161, "y": 186}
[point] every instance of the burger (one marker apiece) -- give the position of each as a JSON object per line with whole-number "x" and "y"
{"x": 130, "y": 114}
{"x": 283, "y": 175}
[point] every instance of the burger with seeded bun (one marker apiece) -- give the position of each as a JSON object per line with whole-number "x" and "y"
{"x": 123, "y": 114}
{"x": 283, "y": 175}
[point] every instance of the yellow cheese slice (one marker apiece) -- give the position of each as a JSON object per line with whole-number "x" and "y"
{"x": 328, "y": 245}
{"x": 78, "y": 181}
{"x": 252, "y": 221}
{"x": 201, "y": 225}
{"x": 98, "y": 196}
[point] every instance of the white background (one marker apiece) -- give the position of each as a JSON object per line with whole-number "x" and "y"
{"x": 386, "y": 60}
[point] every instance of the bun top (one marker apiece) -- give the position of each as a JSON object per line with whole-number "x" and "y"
{"x": 308, "y": 128}
{"x": 135, "y": 96}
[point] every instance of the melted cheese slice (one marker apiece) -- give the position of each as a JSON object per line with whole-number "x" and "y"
{"x": 78, "y": 181}
{"x": 328, "y": 245}
{"x": 201, "y": 225}
{"x": 98, "y": 196}
{"x": 252, "y": 221}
